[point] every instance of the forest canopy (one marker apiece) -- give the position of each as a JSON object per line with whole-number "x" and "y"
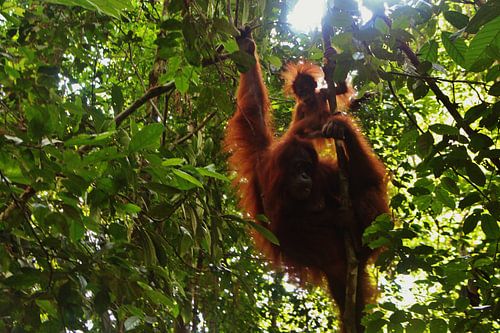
{"x": 116, "y": 210}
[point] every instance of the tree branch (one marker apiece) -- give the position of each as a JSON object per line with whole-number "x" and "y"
{"x": 422, "y": 77}
{"x": 452, "y": 108}
{"x": 349, "y": 316}
{"x": 28, "y": 193}
{"x": 195, "y": 130}
{"x": 159, "y": 90}
{"x": 405, "y": 110}
{"x": 150, "y": 94}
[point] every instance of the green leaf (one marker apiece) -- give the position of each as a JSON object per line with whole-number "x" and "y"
{"x": 25, "y": 279}
{"x": 469, "y": 200}
{"x": 429, "y": 51}
{"x": 493, "y": 73}
{"x": 470, "y": 223}
{"x": 475, "y": 173}
{"x": 130, "y": 208}
{"x": 490, "y": 227}
{"x": 76, "y": 230}
{"x": 494, "y": 209}
{"x": 444, "y": 129}
{"x": 424, "y": 144}
{"x": 89, "y": 139}
{"x": 117, "y": 98}
{"x": 445, "y": 198}
{"x": 450, "y": 185}
{"x": 103, "y": 154}
{"x": 419, "y": 89}
{"x": 187, "y": 177}
{"x": 338, "y": 19}
{"x": 275, "y": 61}
{"x": 243, "y": 60}
{"x": 109, "y": 7}
{"x": 147, "y": 137}
{"x": 209, "y": 172}
{"x": 171, "y": 24}
{"x": 150, "y": 258}
{"x": 264, "y": 232}
{"x": 159, "y": 298}
{"x": 176, "y": 161}
{"x": 230, "y": 45}
{"x": 408, "y": 139}
{"x": 487, "y": 37}
{"x": 118, "y": 231}
{"x": 455, "y": 48}
{"x": 416, "y": 326}
{"x": 221, "y": 24}
{"x": 475, "y": 112}
{"x": 486, "y": 13}
{"x": 438, "y": 326}
{"x": 181, "y": 82}
{"x": 457, "y": 19}
{"x": 47, "y": 306}
{"x": 480, "y": 141}
{"x": 376, "y": 325}
{"x": 495, "y": 89}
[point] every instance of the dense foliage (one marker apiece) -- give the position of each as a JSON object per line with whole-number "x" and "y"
{"x": 115, "y": 207}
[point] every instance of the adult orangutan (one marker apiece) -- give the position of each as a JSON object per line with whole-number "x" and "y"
{"x": 298, "y": 190}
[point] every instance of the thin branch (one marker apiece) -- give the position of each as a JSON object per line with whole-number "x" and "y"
{"x": 452, "y": 108}
{"x": 218, "y": 58}
{"x": 165, "y": 116}
{"x": 405, "y": 110}
{"x": 136, "y": 70}
{"x": 196, "y": 129}
{"x": 21, "y": 204}
{"x": 423, "y": 77}
{"x": 350, "y": 315}
{"x": 468, "y": 181}
{"x": 236, "y": 10}
{"x": 228, "y": 12}
{"x": 159, "y": 90}
{"x": 150, "y": 94}
{"x": 28, "y": 193}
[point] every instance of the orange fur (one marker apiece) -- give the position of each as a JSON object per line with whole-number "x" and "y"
{"x": 311, "y": 230}
{"x": 292, "y": 70}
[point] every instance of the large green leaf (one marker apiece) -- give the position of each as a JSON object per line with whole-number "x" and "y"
{"x": 488, "y": 37}
{"x": 456, "y": 48}
{"x": 109, "y": 7}
{"x": 486, "y": 13}
{"x": 147, "y": 137}
{"x": 457, "y": 19}
{"x": 424, "y": 144}
{"x": 188, "y": 177}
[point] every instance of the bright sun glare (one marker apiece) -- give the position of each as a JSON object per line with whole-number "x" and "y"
{"x": 306, "y": 15}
